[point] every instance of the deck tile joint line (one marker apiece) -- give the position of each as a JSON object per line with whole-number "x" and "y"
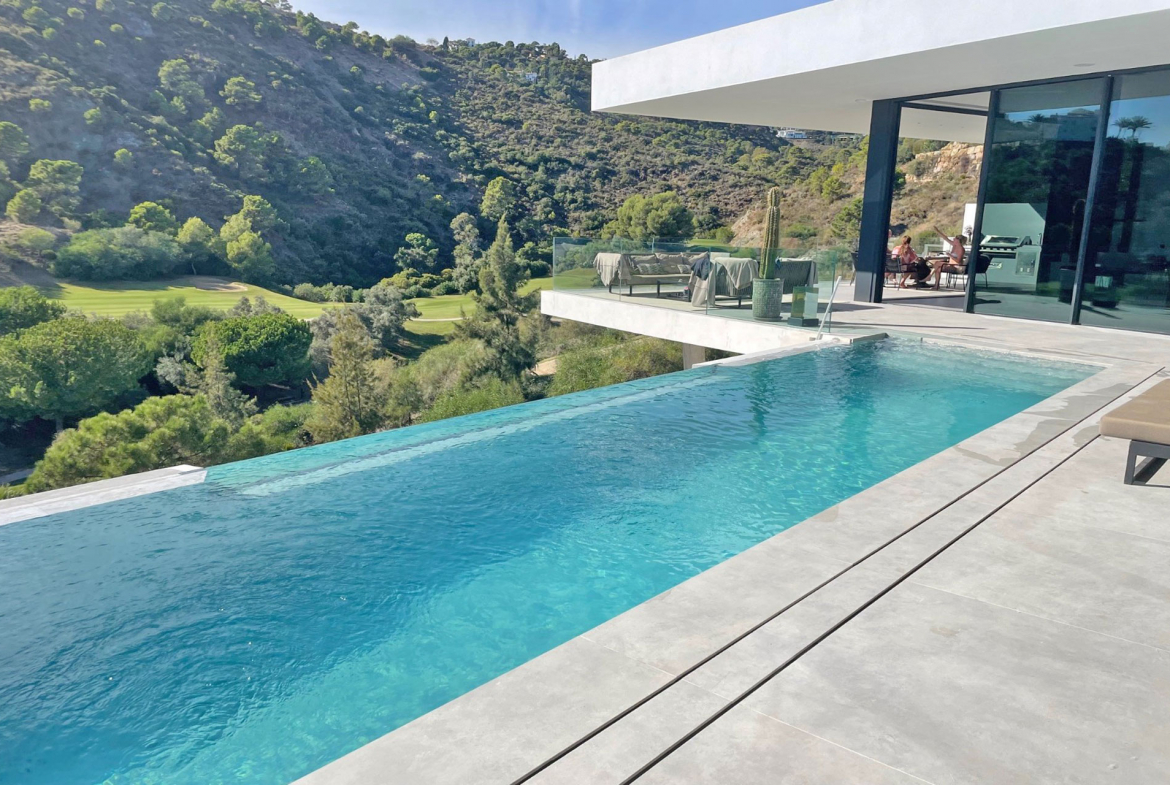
{"x": 837, "y": 626}
{"x": 755, "y": 628}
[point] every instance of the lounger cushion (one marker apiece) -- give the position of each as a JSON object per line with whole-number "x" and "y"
{"x": 1146, "y": 418}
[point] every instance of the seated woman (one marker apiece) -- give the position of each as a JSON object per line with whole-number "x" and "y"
{"x": 907, "y": 261}
{"x": 955, "y": 261}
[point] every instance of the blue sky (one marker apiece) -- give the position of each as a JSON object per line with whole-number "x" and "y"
{"x": 598, "y": 28}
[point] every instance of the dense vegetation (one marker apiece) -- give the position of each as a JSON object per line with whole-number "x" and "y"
{"x": 145, "y": 140}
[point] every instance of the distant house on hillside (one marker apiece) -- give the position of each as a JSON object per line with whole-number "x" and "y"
{"x": 791, "y": 133}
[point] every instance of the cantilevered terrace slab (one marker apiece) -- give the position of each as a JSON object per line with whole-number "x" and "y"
{"x": 821, "y": 67}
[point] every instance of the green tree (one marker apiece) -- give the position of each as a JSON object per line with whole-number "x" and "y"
{"x": 39, "y": 105}
{"x": 36, "y": 16}
{"x": 241, "y": 149}
{"x": 159, "y": 432}
{"x": 500, "y": 307}
{"x": 24, "y": 207}
{"x": 175, "y": 77}
{"x": 93, "y": 117}
{"x": 126, "y": 252}
{"x": 313, "y": 177}
{"x": 595, "y": 366}
{"x": 382, "y": 312}
{"x": 846, "y": 224}
{"x": 201, "y": 246}
{"x": 271, "y": 348}
{"x": 467, "y": 252}
{"x": 832, "y": 188}
{"x": 209, "y": 126}
{"x": 251, "y": 258}
{"x": 123, "y": 158}
{"x": 152, "y": 217}
{"x": 68, "y": 367}
{"x": 13, "y": 143}
{"x": 186, "y": 319}
{"x": 240, "y": 92}
{"x": 643, "y": 218}
{"x": 24, "y": 306}
{"x": 57, "y": 183}
{"x": 498, "y": 200}
{"x": 482, "y": 396}
{"x": 259, "y": 214}
{"x": 162, "y": 12}
{"x": 212, "y": 379}
{"x": 419, "y": 253}
{"x": 36, "y": 241}
{"x": 348, "y": 403}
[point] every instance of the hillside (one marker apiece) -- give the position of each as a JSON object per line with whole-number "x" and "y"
{"x": 356, "y": 140}
{"x": 936, "y": 182}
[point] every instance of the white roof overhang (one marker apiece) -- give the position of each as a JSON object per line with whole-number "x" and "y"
{"x": 821, "y": 67}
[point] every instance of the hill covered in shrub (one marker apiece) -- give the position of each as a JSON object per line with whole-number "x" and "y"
{"x": 355, "y": 140}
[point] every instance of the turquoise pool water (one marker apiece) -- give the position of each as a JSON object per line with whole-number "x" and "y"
{"x": 294, "y": 607}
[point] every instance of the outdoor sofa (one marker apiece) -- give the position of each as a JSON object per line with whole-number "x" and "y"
{"x": 1145, "y": 421}
{"x": 630, "y": 270}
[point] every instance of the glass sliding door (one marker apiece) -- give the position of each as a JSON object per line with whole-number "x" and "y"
{"x": 1038, "y": 167}
{"x": 1127, "y": 263}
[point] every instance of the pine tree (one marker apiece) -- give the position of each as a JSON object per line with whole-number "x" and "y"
{"x": 349, "y": 402}
{"x": 213, "y": 381}
{"x": 500, "y": 307}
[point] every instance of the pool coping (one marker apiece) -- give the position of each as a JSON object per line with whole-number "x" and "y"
{"x": 509, "y": 729}
{"x": 76, "y": 497}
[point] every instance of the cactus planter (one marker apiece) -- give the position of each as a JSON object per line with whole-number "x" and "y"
{"x": 768, "y": 293}
{"x": 767, "y": 299}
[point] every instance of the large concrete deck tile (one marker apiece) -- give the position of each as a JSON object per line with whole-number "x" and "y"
{"x": 746, "y": 748}
{"x": 734, "y": 671}
{"x": 681, "y": 626}
{"x": 620, "y": 750}
{"x": 503, "y": 729}
{"x": 954, "y": 690}
{"x": 1044, "y": 554}
{"x": 855, "y": 527}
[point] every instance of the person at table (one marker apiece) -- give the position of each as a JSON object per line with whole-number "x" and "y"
{"x": 908, "y": 262}
{"x": 955, "y": 261}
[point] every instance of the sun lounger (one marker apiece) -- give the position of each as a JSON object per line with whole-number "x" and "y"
{"x": 1145, "y": 421}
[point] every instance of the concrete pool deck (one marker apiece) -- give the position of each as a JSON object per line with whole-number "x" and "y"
{"x": 999, "y": 613}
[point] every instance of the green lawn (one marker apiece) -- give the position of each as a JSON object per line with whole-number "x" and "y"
{"x": 448, "y": 306}
{"x": 117, "y": 298}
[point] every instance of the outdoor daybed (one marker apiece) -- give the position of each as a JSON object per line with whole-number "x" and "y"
{"x": 630, "y": 270}
{"x": 1145, "y": 421}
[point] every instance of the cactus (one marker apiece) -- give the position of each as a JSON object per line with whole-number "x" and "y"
{"x": 771, "y": 247}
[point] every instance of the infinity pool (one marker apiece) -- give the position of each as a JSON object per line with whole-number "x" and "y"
{"x": 291, "y": 608}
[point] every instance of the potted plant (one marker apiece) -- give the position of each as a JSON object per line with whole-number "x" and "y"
{"x": 768, "y": 292}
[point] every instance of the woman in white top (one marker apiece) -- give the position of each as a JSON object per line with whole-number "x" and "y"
{"x": 956, "y": 256}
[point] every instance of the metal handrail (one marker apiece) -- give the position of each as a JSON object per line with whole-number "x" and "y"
{"x": 828, "y": 308}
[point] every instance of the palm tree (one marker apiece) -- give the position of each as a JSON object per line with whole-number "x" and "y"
{"x": 1134, "y": 125}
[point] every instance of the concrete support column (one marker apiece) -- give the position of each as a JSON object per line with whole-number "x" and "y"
{"x": 876, "y": 201}
{"x": 693, "y": 355}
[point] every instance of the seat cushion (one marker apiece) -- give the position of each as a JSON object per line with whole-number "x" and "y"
{"x": 1145, "y": 418}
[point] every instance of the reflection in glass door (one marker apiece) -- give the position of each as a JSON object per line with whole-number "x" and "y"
{"x": 1127, "y": 263}
{"x": 1039, "y": 162}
